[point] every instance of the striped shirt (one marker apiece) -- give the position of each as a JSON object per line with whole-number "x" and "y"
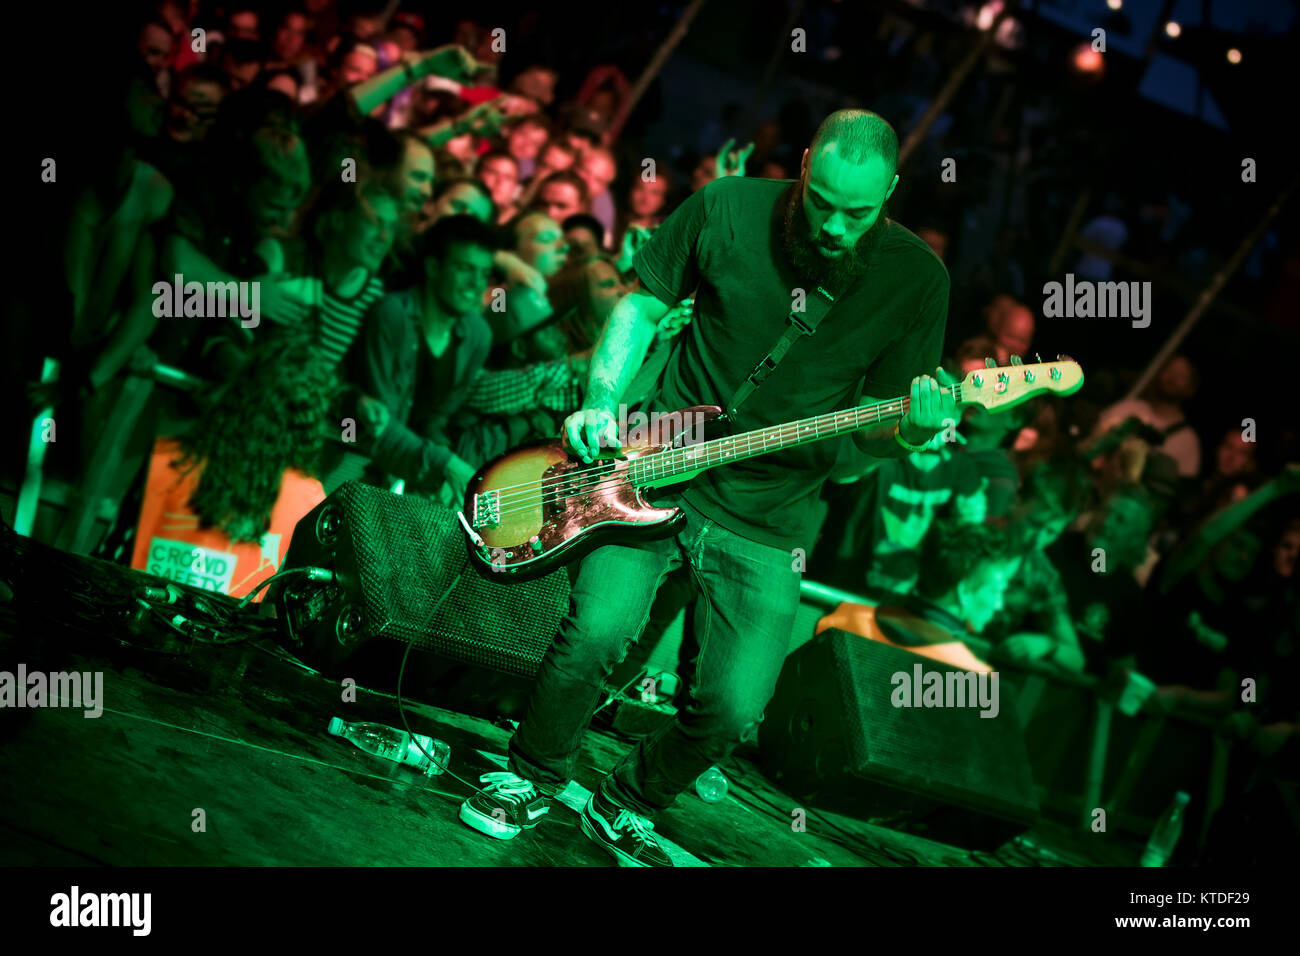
{"x": 339, "y": 319}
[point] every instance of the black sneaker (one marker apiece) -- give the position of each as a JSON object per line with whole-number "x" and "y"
{"x": 508, "y": 805}
{"x": 627, "y": 836}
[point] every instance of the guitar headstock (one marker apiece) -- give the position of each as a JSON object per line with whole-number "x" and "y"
{"x": 999, "y": 387}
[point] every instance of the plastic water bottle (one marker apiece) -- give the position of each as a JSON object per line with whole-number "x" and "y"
{"x": 711, "y": 785}
{"x": 1165, "y": 836}
{"x": 393, "y": 744}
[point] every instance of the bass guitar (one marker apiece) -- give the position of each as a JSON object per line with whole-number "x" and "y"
{"x": 539, "y": 507}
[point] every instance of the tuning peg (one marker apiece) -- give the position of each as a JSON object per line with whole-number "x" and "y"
{"x": 1038, "y": 358}
{"x": 1064, "y": 358}
{"x": 990, "y": 363}
{"x": 1016, "y": 360}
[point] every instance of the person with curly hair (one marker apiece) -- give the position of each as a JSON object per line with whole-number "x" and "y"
{"x": 966, "y": 570}
{"x": 222, "y": 498}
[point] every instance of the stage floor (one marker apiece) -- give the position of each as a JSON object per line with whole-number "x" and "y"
{"x": 239, "y": 734}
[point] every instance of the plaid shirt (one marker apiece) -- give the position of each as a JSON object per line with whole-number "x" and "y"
{"x": 550, "y": 385}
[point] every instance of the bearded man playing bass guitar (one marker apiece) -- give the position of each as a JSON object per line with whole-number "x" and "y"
{"x": 750, "y": 249}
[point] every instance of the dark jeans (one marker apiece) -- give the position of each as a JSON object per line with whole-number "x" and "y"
{"x": 749, "y": 593}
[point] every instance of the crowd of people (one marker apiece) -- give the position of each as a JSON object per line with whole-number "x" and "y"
{"x": 436, "y": 250}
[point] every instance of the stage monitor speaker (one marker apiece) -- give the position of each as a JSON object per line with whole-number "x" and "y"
{"x": 833, "y": 738}
{"x": 393, "y": 558}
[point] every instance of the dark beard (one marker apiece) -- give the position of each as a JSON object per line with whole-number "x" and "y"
{"x": 834, "y": 275}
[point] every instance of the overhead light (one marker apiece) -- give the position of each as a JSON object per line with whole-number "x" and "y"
{"x": 988, "y": 13}
{"x": 1172, "y": 28}
{"x": 1087, "y": 60}
{"x": 1234, "y": 55}
{"x": 1114, "y": 4}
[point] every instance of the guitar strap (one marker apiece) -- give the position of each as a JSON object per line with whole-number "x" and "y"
{"x": 800, "y": 324}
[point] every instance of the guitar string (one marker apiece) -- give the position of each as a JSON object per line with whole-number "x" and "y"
{"x": 889, "y": 408}
{"x": 572, "y": 482}
{"x": 575, "y": 478}
{"x": 579, "y": 474}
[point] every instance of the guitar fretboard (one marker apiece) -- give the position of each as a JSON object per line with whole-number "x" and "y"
{"x": 761, "y": 441}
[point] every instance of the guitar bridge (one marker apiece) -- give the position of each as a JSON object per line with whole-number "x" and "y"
{"x": 487, "y": 509}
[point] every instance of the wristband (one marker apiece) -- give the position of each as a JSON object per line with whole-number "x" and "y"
{"x": 898, "y": 437}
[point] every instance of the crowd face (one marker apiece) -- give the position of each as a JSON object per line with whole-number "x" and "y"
{"x": 463, "y": 199}
{"x": 1235, "y": 555}
{"x": 842, "y": 200}
{"x": 501, "y": 177}
{"x": 526, "y": 140}
{"x": 541, "y": 244}
{"x": 1177, "y": 380}
{"x": 1048, "y": 525}
{"x": 536, "y": 82}
{"x": 357, "y": 66}
{"x": 1015, "y": 330}
{"x": 560, "y": 200}
{"x": 239, "y": 75}
{"x": 597, "y": 169}
{"x": 1235, "y": 455}
{"x": 582, "y": 244}
{"x": 646, "y": 199}
{"x": 1121, "y": 532}
{"x": 272, "y": 208}
{"x": 155, "y": 45}
{"x": 243, "y": 25}
{"x": 460, "y": 281}
{"x": 417, "y": 176}
{"x": 369, "y": 238}
{"x": 981, "y": 595}
{"x": 1286, "y": 551}
{"x": 405, "y": 38}
{"x": 290, "y": 37}
{"x": 603, "y": 103}
{"x": 554, "y": 159}
{"x": 605, "y": 286}
{"x": 192, "y": 110}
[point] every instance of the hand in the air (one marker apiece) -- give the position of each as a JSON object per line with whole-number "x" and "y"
{"x": 730, "y": 161}
{"x": 633, "y": 240}
{"x": 450, "y": 61}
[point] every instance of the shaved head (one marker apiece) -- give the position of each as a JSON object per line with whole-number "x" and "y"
{"x": 858, "y": 135}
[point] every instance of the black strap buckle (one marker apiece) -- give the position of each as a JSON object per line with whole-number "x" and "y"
{"x": 762, "y": 370}
{"x": 803, "y": 327}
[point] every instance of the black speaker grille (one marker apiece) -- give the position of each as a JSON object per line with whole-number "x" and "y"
{"x": 951, "y": 752}
{"x": 408, "y": 552}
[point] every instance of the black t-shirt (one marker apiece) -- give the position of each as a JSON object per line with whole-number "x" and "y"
{"x": 725, "y": 244}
